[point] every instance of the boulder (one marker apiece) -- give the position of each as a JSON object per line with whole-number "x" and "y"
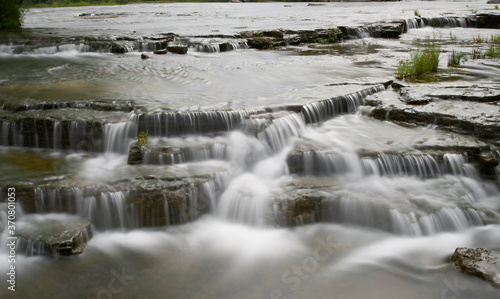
{"x": 53, "y": 234}
{"x": 144, "y": 56}
{"x": 177, "y": 49}
{"x": 479, "y": 262}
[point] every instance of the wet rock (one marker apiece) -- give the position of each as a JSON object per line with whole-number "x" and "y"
{"x": 260, "y": 42}
{"x": 273, "y": 33}
{"x": 49, "y": 234}
{"x": 477, "y": 118}
{"x": 144, "y": 56}
{"x": 224, "y": 47}
{"x": 118, "y": 49}
{"x": 136, "y": 154}
{"x": 408, "y": 99}
{"x": 384, "y": 30}
{"x": 31, "y": 104}
{"x": 488, "y": 20}
{"x": 160, "y": 51}
{"x": 177, "y": 49}
{"x": 479, "y": 262}
{"x": 487, "y": 164}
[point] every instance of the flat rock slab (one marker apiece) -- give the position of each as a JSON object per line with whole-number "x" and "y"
{"x": 467, "y": 110}
{"x": 480, "y": 262}
{"x": 63, "y": 234}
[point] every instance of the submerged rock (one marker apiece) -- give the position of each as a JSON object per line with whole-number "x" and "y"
{"x": 160, "y": 51}
{"x": 479, "y": 262}
{"x": 144, "y": 56}
{"x": 49, "y": 234}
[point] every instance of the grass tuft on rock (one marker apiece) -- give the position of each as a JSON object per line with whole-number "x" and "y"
{"x": 456, "y": 59}
{"x": 422, "y": 62}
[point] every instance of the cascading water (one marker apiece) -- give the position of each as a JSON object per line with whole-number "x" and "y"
{"x": 259, "y": 169}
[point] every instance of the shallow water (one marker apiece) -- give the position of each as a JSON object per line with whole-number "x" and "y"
{"x": 397, "y": 200}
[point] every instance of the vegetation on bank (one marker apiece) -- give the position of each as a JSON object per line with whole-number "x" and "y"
{"x": 11, "y": 13}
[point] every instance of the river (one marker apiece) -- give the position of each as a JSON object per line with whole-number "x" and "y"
{"x": 283, "y": 194}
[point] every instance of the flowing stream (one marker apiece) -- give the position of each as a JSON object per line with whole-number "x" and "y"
{"x": 265, "y": 176}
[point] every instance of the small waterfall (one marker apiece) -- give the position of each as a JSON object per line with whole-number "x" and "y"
{"x": 422, "y": 166}
{"x": 278, "y": 134}
{"x": 81, "y": 48}
{"x": 457, "y": 164}
{"x": 171, "y": 156}
{"x": 131, "y": 209}
{"x": 57, "y": 133}
{"x": 325, "y": 162}
{"x": 119, "y": 136}
{"x": 43, "y": 133}
{"x": 355, "y": 32}
{"x": 320, "y": 111}
{"x": 207, "y": 48}
{"x": 46, "y": 50}
{"x": 414, "y": 23}
{"x": 7, "y": 49}
{"x": 167, "y": 124}
{"x": 328, "y": 162}
{"x": 447, "y": 219}
{"x": 220, "y": 47}
{"x": 447, "y": 22}
{"x": 245, "y": 200}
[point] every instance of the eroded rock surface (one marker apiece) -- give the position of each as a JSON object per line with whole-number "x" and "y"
{"x": 479, "y": 262}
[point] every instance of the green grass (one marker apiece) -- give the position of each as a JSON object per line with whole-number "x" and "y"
{"x": 479, "y": 39}
{"x": 477, "y": 54}
{"x": 493, "y": 52}
{"x": 495, "y": 39}
{"x": 333, "y": 36}
{"x": 416, "y": 13}
{"x": 456, "y": 59}
{"x": 422, "y": 62}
